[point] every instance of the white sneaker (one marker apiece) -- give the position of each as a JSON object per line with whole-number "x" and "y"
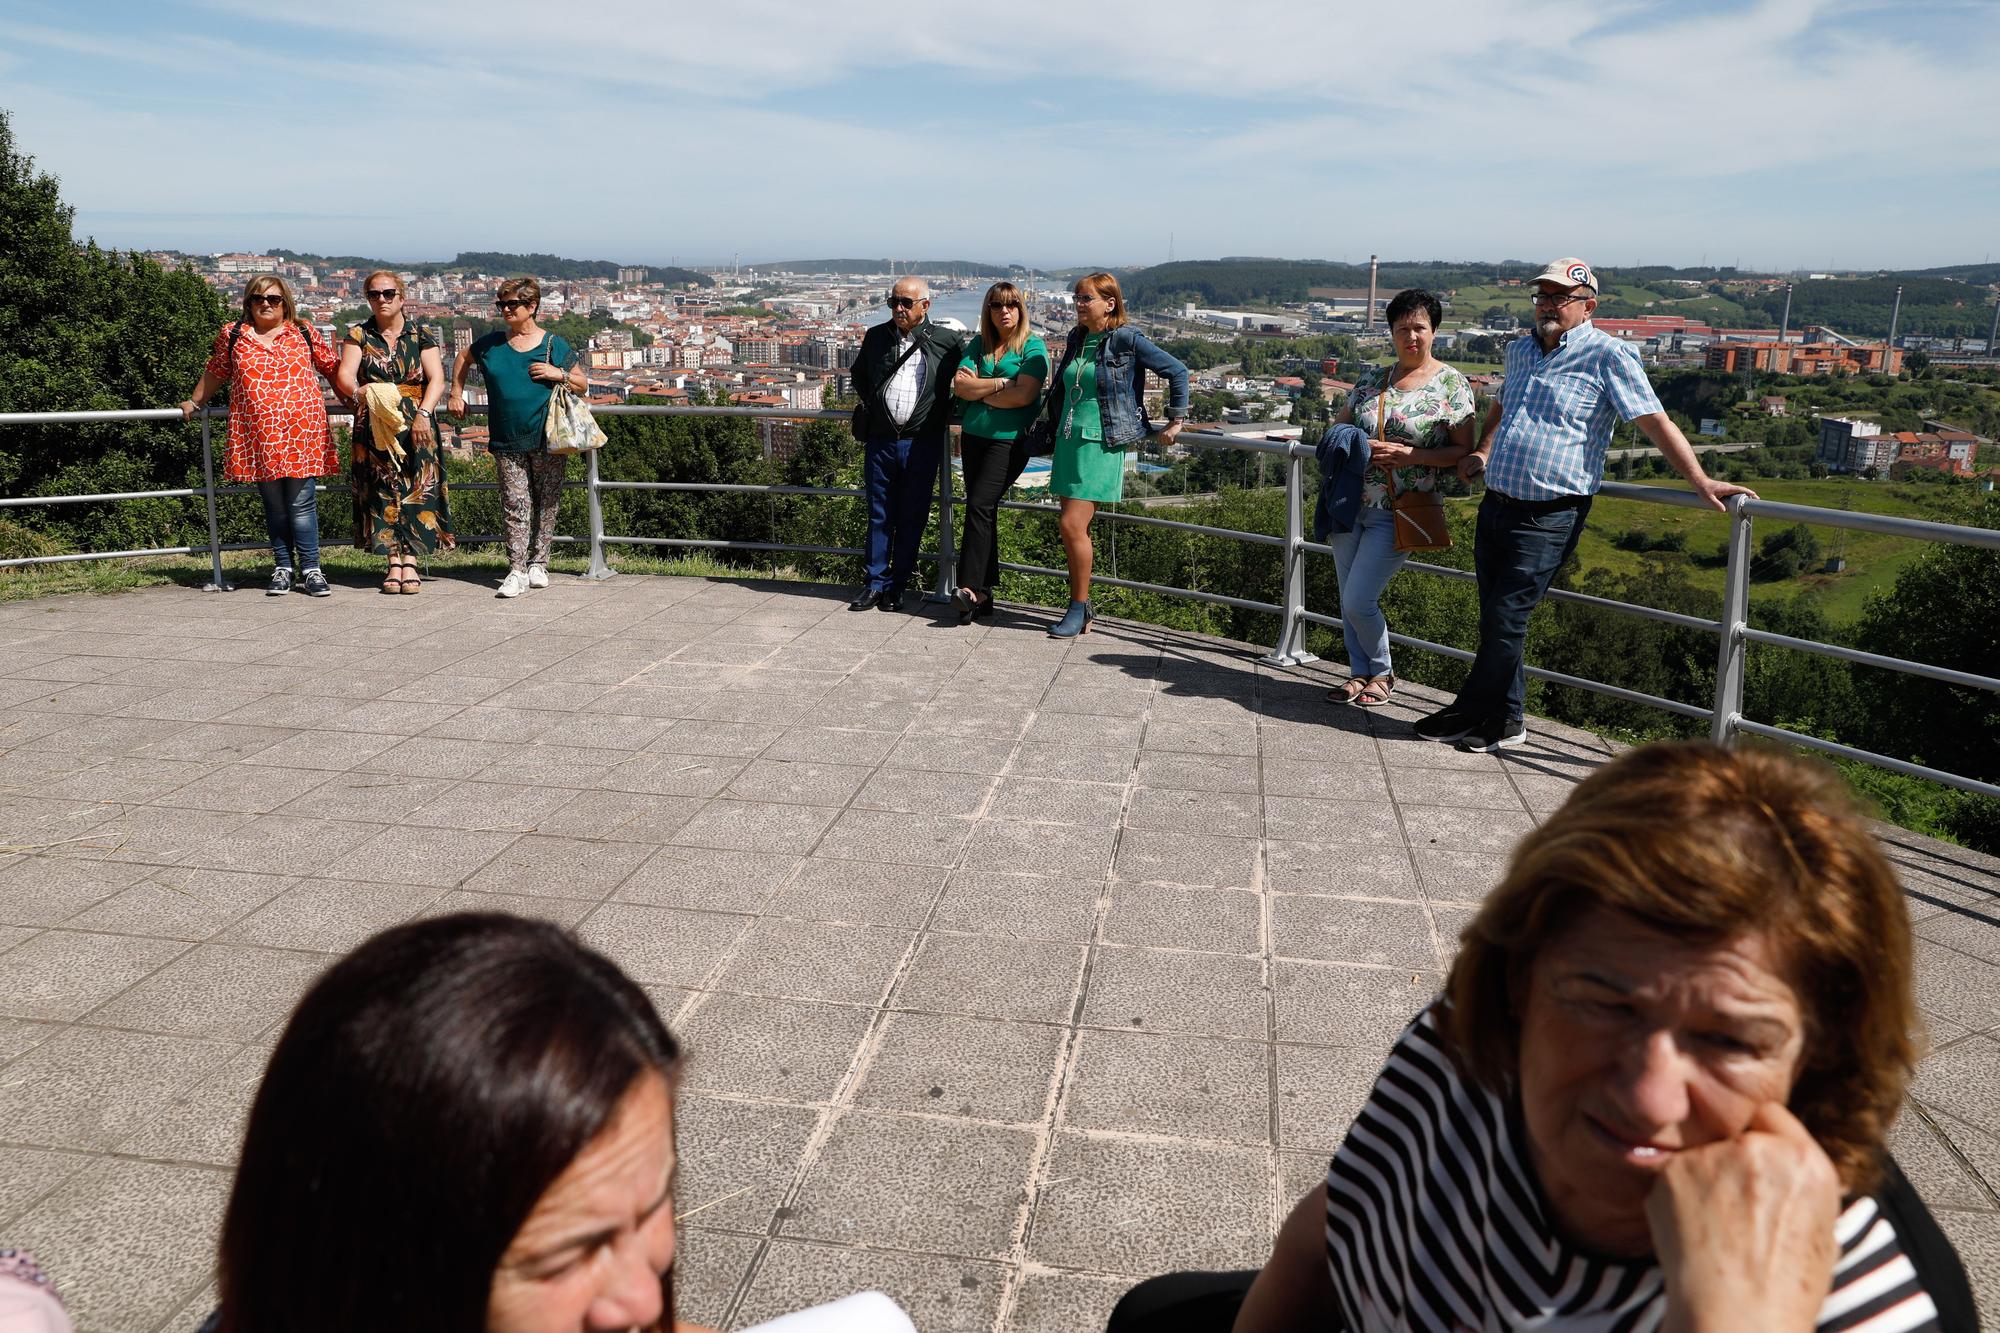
{"x": 538, "y": 576}
{"x": 514, "y": 584}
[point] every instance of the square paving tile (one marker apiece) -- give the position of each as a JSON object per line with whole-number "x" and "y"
{"x": 1340, "y": 779}
{"x": 1208, "y": 813}
{"x": 661, "y": 945}
{"x": 1452, "y": 876}
{"x": 941, "y": 1295}
{"x": 952, "y": 754}
{"x": 823, "y": 745}
{"x": 330, "y": 915}
{"x": 1342, "y": 1005}
{"x": 1076, "y": 763}
{"x": 1321, "y": 1090}
{"x": 1043, "y": 801}
{"x": 1197, "y": 772}
{"x": 90, "y": 1088}
{"x": 205, "y": 1123}
{"x": 1120, "y": 1206}
{"x": 737, "y": 1159}
{"x": 1458, "y": 830}
{"x": 708, "y": 878}
{"x": 1187, "y": 858}
{"x": 559, "y": 867}
{"x": 1300, "y": 819}
{"x": 992, "y": 978}
{"x": 888, "y": 835}
{"x": 756, "y": 826}
{"x": 1343, "y": 869}
{"x": 911, "y": 1183}
{"x": 26, "y": 1174}
{"x": 860, "y": 891}
{"x": 1041, "y": 849}
{"x": 129, "y": 1241}
{"x": 1024, "y": 906}
{"x": 815, "y": 960}
{"x": 223, "y": 991}
{"x": 1155, "y": 1083}
{"x": 47, "y": 891}
{"x": 365, "y": 797}
{"x": 920, "y": 791}
{"x": 1175, "y": 917}
{"x": 671, "y": 774}
{"x": 708, "y": 1268}
{"x": 949, "y": 1064}
{"x": 1157, "y": 990}
{"x": 1346, "y": 930}
{"x": 63, "y": 975}
{"x": 753, "y": 1046}
{"x": 804, "y": 782}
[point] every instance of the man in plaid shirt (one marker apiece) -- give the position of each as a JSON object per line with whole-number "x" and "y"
{"x": 1542, "y": 454}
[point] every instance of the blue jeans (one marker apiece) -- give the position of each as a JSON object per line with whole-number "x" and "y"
{"x": 900, "y": 477}
{"x": 1515, "y": 553}
{"x": 291, "y": 515}
{"x": 1366, "y": 558}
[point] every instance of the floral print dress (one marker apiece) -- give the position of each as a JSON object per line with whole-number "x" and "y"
{"x": 1421, "y": 418}
{"x": 277, "y": 414}
{"x": 397, "y": 510}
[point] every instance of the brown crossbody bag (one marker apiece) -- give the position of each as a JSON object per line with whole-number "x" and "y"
{"x": 1420, "y": 524}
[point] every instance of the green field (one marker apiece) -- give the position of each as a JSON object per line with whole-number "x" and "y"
{"x": 1467, "y": 303}
{"x": 1873, "y": 561}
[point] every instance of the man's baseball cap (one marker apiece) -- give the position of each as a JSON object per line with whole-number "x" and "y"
{"x": 1569, "y": 273}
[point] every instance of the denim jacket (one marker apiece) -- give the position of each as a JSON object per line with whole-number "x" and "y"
{"x": 1123, "y": 359}
{"x": 1343, "y": 460}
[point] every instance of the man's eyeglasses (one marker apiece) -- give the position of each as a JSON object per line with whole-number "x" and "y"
{"x": 1557, "y": 299}
{"x": 272, "y": 298}
{"x": 902, "y": 302}
{"x": 386, "y": 294}
{"x": 515, "y": 305}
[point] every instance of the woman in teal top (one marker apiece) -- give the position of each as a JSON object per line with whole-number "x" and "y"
{"x": 1000, "y": 382}
{"x": 1098, "y": 413}
{"x": 522, "y": 367}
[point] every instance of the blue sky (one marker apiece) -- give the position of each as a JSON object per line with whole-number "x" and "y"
{"x": 1774, "y": 133}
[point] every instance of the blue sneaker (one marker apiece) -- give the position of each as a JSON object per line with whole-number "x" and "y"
{"x": 281, "y": 582}
{"x": 1075, "y": 621}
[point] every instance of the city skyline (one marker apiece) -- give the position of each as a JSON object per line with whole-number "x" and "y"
{"x": 1787, "y": 134}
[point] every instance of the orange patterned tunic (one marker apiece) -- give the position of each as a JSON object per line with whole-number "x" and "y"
{"x": 277, "y": 415}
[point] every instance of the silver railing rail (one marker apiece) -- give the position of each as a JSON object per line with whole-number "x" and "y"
{"x": 1733, "y": 632}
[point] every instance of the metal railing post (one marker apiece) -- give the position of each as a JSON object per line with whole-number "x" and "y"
{"x": 1735, "y": 618}
{"x": 1291, "y": 647}
{"x": 216, "y": 582}
{"x": 594, "y": 502}
{"x": 947, "y": 548}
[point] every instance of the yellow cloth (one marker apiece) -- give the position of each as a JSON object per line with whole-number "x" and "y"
{"x": 384, "y": 405}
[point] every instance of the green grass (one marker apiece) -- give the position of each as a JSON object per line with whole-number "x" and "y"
{"x": 1699, "y": 306}
{"x": 1873, "y": 560}
{"x": 343, "y": 566}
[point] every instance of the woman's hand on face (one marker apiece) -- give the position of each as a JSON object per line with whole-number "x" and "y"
{"x": 1744, "y": 1228}
{"x": 1389, "y": 453}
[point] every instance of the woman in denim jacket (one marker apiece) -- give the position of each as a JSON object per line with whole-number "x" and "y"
{"x": 1098, "y": 412}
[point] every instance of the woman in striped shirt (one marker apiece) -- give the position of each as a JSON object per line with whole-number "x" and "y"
{"x": 1654, "y": 1095}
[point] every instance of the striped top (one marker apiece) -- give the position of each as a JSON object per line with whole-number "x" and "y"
{"x": 1433, "y": 1221}
{"x": 1557, "y": 409}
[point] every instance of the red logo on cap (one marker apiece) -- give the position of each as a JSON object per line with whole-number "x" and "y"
{"x": 1579, "y": 273}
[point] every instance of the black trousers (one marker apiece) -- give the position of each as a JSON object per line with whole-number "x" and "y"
{"x": 1183, "y": 1303}
{"x": 991, "y": 469}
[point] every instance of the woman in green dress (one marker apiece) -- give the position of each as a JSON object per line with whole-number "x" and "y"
{"x": 1099, "y": 413}
{"x": 400, "y": 507}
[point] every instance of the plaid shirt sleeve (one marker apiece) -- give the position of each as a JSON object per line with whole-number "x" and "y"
{"x": 1625, "y": 382}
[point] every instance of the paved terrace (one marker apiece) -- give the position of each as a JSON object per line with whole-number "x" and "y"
{"x": 1011, "y": 969}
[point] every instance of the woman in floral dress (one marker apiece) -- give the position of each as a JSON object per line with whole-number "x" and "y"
{"x": 400, "y": 506}
{"x": 1418, "y": 413}
{"x": 278, "y": 435}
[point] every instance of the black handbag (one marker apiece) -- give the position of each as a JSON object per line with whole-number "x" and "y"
{"x": 859, "y": 422}
{"x": 1039, "y": 436}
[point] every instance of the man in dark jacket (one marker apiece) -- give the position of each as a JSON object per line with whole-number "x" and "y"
{"x": 903, "y": 378}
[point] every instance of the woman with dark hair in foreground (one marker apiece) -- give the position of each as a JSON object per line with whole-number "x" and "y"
{"x": 467, "y": 1125}
{"x": 1655, "y": 1093}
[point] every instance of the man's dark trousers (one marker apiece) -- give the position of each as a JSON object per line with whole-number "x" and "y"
{"x": 1516, "y": 551}
{"x": 900, "y": 477}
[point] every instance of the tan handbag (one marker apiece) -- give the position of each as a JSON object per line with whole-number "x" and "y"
{"x": 1420, "y": 523}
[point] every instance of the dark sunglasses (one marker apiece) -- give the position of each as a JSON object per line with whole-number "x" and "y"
{"x": 386, "y": 294}
{"x": 1003, "y": 305}
{"x": 271, "y": 299}
{"x": 902, "y": 302}
{"x": 515, "y": 305}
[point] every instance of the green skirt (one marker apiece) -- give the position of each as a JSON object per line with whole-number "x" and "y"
{"x": 1087, "y": 470}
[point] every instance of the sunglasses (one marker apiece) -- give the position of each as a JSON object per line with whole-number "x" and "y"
{"x": 386, "y": 294}
{"x": 1003, "y": 305}
{"x": 902, "y": 302}
{"x": 272, "y": 299}
{"x": 515, "y": 305}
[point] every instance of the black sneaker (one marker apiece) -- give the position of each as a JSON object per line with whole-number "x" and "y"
{"x": 1494, "y": 735}
{"x": 316, "y": 584}
{"x": 1445, "y": 726}
{"x": 281, "y": 582}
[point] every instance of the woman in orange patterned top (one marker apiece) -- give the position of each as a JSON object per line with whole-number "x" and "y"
{"x": 278, "y": 435}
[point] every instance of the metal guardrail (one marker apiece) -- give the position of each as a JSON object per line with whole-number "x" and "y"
{"x": 1733, "y": 631}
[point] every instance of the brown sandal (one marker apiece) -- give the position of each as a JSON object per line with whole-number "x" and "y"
{"x": 1349, "y": 690}
{"x": 1377, "y": 691}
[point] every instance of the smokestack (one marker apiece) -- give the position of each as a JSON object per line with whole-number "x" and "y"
{"x": 1993, "y": 334}
{"x": 1785, "y": 324}
{"x": 1371, "y": 293}
{"x": 1895, "y": 317}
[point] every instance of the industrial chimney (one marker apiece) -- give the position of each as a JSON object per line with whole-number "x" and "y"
{"x": 1371, "y": 293}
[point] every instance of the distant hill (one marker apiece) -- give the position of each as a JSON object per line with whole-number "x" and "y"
{"x": 1228, "y": 282}
{"x": 496, "y": 261}
{"x": 962, "y": 268}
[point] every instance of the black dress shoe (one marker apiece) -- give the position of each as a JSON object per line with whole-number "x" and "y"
{"x": 867, "y": 598}
{"x": 889, "y": 601}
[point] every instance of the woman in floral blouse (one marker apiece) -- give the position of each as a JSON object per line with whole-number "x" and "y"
{"x": 400, "y": 506}
{"x": 278, "y": 436}
{"x": 1418, "y": 413}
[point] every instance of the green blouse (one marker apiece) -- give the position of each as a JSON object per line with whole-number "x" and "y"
{"x": 1082, "y": 418}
